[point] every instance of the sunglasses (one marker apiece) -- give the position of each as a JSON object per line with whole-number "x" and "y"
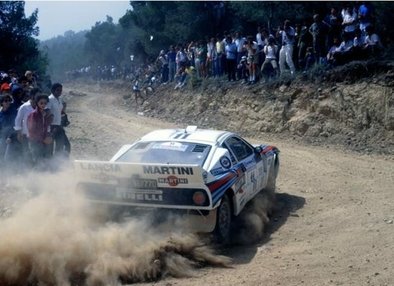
{"x": 7, "y": 100}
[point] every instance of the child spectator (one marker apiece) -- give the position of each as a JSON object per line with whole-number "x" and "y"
{"x": 137, "y": 90}
{"x": 253, "y": 59}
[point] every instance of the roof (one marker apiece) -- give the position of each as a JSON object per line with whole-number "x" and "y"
{"x": 198, "y": 135}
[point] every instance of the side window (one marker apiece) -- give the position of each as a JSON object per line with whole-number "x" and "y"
{"x": 241, "y": 149}
{"x": 233, "y": 161}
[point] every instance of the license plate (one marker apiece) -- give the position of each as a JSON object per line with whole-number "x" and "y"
{"x": 143, "y": 183}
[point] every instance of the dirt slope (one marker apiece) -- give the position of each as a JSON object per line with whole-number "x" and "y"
{"x": 334, "y": 222}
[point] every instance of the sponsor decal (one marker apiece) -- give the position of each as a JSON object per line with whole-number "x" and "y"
{"x": 112, "y": 168}
{"x": 164, "y": 170}
{"x": 148, "y": 196}
{"x": 217, "y": 171}
{"x": 225, "y": 162}
{"x": 172, "y": 181}
{"x": 175, "y": 146}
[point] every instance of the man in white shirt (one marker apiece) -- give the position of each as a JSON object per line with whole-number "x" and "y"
{"x": 286, "y": 52}
{"x": 56, "y": 106}
{"x": 21, "y": 124}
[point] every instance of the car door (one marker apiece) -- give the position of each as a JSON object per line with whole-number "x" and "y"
{"x": 245, "y": 154}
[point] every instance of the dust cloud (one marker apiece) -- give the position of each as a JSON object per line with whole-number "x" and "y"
{"x": 254, "y": 218}
{"x": 51, "y": 238}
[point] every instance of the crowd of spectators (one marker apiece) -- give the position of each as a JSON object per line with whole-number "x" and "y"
{"x": 330, "y": 40}
{"x": 340, "y": 36}
{"x": 31, "y": 123}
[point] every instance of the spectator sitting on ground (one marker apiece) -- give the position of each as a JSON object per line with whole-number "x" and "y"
{"x": 372, "y": 41}
{"x": 181, "y": 77}
{"x": 310, "y": 58}
{"x": 343, "y": 53}
{"x": 331, "y": 52}
{"x": 243, "y": 70}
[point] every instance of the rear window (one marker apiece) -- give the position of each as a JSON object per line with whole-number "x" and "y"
{"x": 167, "y": 152}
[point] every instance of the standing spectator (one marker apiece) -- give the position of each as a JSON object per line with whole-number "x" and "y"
{"x": 231, "y": 58}
{"x": 18, "y": 95}
{"x": 219, "y": 55}
{"x": 191, "y": 53}
{"x": 304, "y": 41}
{"x": 270, "y": 51}
{"x": 318, "y": 30}
{"x": 211, "y": 58}
{"x": 286, "y": 52}
{"x": 181, "y": 57}
{"x": 334, "y": 23}
{"x": 260, "y": 40}
{"x": 364, "y": 16}
{"x": 7, "y": 118}
{"x": 171, "y": 55}
{"x": 38, "y": 124}
{"x": 240, "y": 43}
{"x": 253, "y": 59}
{"x": 162, "y": 59}
{"x": 137, "y": 91}
{"x": 349, "y": 21}
{"x": 55, "y": 105}
{"x": 201, "y": 58}
{"x": 21, "y": 128}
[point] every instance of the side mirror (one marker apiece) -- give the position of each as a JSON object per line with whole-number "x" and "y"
{"x": 258, "y": 149}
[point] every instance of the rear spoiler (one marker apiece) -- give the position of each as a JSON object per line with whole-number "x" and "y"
{"x": 140, "y": 184}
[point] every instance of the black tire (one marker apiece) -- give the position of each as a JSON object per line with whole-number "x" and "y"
{"x": 224, "y": 218}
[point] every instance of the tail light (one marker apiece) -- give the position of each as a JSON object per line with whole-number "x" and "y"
{"x": 199, "y": 198}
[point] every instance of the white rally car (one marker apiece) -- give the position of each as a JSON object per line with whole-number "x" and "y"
{"x": 207, "y": 175}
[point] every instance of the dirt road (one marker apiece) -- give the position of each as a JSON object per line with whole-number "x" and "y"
{"x": 334, "y": 223}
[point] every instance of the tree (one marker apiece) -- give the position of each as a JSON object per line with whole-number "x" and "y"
{"x": 18, "y": 48}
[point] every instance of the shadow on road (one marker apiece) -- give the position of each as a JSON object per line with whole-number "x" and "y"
{"x": 286, "y": 205}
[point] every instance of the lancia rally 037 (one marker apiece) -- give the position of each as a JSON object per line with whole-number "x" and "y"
{"x": 207, "y": 175}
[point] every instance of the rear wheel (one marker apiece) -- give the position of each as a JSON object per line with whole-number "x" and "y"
{"x": 223, "y": 221}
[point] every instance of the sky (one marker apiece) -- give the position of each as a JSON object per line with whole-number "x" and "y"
{"x": 57, "y": 17}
